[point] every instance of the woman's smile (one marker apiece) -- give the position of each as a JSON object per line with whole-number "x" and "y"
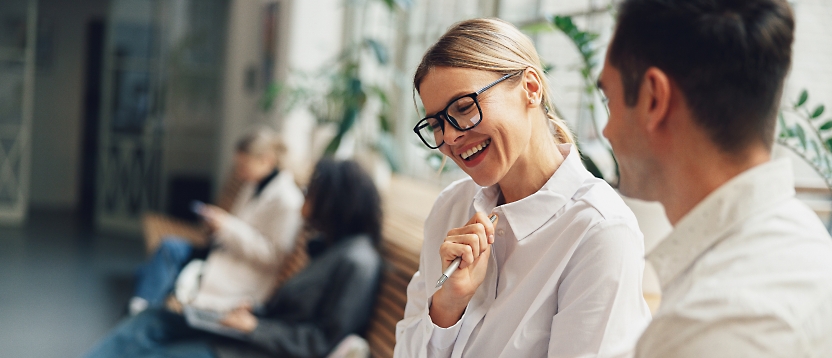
{"x": 474, "y": 154}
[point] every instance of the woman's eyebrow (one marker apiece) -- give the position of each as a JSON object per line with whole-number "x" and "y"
{"x": 455, "y": 97}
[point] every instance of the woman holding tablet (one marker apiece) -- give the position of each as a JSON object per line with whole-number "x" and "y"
{"x": 558, "y": 273}
{"x": 331, "y": 298}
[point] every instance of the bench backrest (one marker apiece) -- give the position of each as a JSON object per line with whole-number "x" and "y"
{"x": 406, "y": 205}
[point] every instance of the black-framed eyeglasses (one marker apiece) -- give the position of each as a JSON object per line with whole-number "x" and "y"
{"x": 463, "y": 113}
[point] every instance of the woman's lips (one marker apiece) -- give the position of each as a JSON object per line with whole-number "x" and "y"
{"x": 477, "y": 158}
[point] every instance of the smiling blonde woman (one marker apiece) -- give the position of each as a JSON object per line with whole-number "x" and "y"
{"x": 559, "y": 272}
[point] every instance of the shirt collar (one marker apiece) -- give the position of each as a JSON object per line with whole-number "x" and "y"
{"x": 754, "y": 190}
{"x": 527, "y": 215}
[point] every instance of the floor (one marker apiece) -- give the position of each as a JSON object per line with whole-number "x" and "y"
{"x": 62, "y": 286}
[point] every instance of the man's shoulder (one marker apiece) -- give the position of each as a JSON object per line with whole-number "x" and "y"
{"x": 773, "y": 257}
{"x": 774, "y": 269}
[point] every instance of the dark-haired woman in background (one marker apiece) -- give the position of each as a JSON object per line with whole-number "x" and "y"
{"x": 330, "y": 299}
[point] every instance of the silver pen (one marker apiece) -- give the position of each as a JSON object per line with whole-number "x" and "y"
{"x": 455, "y": 263}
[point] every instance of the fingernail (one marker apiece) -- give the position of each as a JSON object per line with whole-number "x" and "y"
{"x": 491, "y": 239}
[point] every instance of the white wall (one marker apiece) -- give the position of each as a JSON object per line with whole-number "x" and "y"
{"x": 59, "y": 96}
{"x": 309, "y": 34}
{"x": 242, "y": 51}
{"x": 314, "y": 38}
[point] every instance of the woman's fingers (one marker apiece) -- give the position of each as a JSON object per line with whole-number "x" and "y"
{"x": 480, "y": 218}
{"x": 450, "y": 250}
{"x": 480, "y": 225}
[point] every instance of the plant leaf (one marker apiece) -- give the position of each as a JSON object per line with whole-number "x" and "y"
{"x": 826, "y": 126}
{"x": 818, "y": 111}
{"x": 384, "y": 123}
{"x": 826, "y": 162}
{"x": 828, "y": 143}
{"x": 591, "y": 167}
{"x": 784, "y": 133}
{"x": 804, "y": 95}
{"x": 816, "y": 149}
{"x": 537, "y": 27}
{"x": 801, "y": 135}
{"x": 404, "y": 4}
{"x": 379, "y": 50}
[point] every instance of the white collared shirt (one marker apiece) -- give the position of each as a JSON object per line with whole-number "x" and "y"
{"x": 251, "y": 245}
{"x": 746, "y": 273}
{"x": 564, "y": 279}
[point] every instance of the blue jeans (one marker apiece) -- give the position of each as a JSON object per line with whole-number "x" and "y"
{"x": 156, "y": 278}
{"x": 154, "y": 333}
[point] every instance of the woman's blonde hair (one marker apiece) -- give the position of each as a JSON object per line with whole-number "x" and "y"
{"x": 491, "y": 45}
{"x": 262, "y": 142}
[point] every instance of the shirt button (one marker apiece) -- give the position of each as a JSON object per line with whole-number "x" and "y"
{"x": 501, "y": 232}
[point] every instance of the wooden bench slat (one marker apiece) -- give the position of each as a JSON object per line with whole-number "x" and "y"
{"x": 382, "y": 334}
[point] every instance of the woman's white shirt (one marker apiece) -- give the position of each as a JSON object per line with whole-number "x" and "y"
{"x": 260, "y": 231}
{"x": 564, "y": 278}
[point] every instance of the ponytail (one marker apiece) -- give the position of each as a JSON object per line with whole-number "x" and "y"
{"x": 561, "y": 131}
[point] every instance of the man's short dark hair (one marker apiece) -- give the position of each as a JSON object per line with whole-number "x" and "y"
{"x": 729, "y": 57}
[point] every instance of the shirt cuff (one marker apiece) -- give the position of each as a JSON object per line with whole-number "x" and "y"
{"x": 442, "y": 338}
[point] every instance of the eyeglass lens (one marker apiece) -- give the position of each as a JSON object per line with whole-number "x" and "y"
{"x": 464, "y": 112}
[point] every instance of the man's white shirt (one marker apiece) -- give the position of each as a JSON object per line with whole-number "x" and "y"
{"x": 746, "y": 273}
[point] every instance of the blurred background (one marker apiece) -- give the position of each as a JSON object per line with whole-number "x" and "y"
{"x": 110, "y": 109}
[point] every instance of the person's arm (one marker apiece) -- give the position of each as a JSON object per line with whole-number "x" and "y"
{"x": 416, "y": 334}
{"x": 281, "y": 223}
{"x": 345, "y": 309}
{"x": 601, "y": 308}
{"x": 432, "y": 318}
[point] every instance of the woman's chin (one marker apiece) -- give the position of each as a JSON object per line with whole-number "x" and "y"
{"x": 483, "y": 176}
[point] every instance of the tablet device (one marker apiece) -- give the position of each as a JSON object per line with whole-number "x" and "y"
{"x": 208, "y": 320}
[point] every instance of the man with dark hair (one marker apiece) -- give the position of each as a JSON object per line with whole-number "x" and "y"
{"x": 694, "y": 88}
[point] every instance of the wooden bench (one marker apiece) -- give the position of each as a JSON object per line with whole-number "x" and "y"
{"x": 406, "y": 205}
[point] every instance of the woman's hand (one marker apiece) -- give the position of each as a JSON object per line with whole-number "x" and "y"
{"x": 472, "y": 243}
{"x": 241, "y": 319}
{"x": 214, "y": 217}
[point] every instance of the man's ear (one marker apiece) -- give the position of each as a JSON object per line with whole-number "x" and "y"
{"x": 655, "y": 96}
{"x": 533, "y": 88}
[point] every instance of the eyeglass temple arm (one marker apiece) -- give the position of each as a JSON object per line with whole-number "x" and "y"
{"x": 492, "y": 84}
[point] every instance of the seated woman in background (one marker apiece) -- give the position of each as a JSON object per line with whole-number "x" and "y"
{"x": 248, "y": 244}
{"x": 315, "y": 309}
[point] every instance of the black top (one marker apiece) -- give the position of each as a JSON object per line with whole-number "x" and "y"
{"x": 263, "y": 182}
{"x": 331, "y": 298}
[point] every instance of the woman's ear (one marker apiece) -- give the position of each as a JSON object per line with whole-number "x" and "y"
{"x": 532, "y": 87}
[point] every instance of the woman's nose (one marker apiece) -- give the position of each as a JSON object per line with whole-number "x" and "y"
{"x": 452, "y": 135}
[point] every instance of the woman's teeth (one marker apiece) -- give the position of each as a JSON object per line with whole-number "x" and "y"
{"x": 475, "y": 150}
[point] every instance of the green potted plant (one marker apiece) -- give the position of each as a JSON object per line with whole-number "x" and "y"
{"x": 802, "y": 130}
